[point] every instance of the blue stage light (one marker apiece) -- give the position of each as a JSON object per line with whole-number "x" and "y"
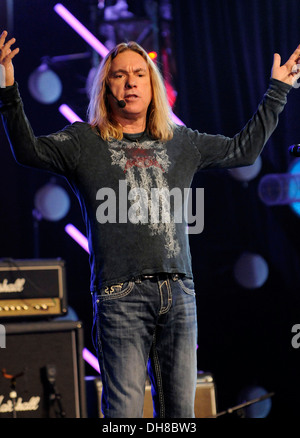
{"x": 295, "y": 170}
{"x": 45, "y": 85}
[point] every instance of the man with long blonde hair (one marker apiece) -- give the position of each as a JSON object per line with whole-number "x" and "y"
{"x": 159, "y": 121}
{"x": 124, "y": 166}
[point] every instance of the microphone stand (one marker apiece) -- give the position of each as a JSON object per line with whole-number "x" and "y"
{"x": 56, "y": 397}
{"x": 13, "y": 393}
{"x": 53, "y": 395}
{"x": 244, "y": 405}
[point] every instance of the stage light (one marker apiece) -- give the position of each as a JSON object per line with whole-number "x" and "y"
{"x": 52, "y": 202}
{"x": 118, "y": 11}
{"x": 247, "y": 173}
{"x": 176, "y": 119}
{"x": 77, "y": 236}
{"x": 91, "y": 359}
{"x": 152, "y": 55}
{"x": 69, "y": 114}
{"x": 280, "y": 189}
{"x": 171, "y": 94}
{"x": 69, "y": 18}
{"x": 44, "y": 85}
{"x": 260, "y": 409}
{"x": 294, "y": 170}
{"x": 251, "y": 271}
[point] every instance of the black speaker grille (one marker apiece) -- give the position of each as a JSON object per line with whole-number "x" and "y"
{"x": 30, "y": 349}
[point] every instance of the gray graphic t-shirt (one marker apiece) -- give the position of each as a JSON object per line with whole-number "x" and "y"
{"x": 133, "y": 192}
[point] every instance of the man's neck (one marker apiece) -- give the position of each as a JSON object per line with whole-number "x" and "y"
{"x": 132, "y": 125}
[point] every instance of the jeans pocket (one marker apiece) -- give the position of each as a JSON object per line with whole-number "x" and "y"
{"x": 115, "y": 291}
{"x": 187, "y": 285}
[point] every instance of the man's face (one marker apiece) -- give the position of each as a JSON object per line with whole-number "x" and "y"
{"x": 129, "y": 80}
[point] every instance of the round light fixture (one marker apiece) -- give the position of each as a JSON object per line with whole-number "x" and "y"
{"x": 45, "y": 85}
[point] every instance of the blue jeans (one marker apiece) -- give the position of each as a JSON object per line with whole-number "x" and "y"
{"x": 149, "y": 324}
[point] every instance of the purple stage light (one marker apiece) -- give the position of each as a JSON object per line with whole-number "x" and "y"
{"x": 69, "y": 18}
{"x": 77, "y": 236}
{"x": 177, "y": 120}
{"x": 91, "y": 359}
{"x": 69, "y": 114}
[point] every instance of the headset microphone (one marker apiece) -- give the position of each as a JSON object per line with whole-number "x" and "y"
{"x": 121, "y": 102}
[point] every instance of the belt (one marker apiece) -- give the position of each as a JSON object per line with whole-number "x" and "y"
{"x": 157, "y": 277}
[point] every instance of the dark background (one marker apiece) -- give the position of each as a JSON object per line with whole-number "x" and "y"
{"x": 221, "y": 53}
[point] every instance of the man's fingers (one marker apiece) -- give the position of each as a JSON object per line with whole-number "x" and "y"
{"x": 296, "y": 53}
{"x": 277, "y": 60}
{"x": 13, "y": 53}
{"x": 294, "y": 57}
{"x": 7, "y": 46}
{"x": 8, "y": 58}
{"x": 6, "y": 53}
{"x": 2, "y": 38}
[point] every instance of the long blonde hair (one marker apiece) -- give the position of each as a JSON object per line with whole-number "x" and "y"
{"x": 159, "y": 122}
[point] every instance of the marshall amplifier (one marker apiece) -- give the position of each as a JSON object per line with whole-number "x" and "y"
{"x": 42, "y": 370}
{"x": 32, "y": 288}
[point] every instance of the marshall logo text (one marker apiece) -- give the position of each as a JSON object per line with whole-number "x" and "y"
{"x": 17, "y": 286}
{"x": 21, "y": 406}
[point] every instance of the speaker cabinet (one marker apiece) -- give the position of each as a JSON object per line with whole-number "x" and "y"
{"x": 205, "y": 399}
{"x": 42, "y": 371}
